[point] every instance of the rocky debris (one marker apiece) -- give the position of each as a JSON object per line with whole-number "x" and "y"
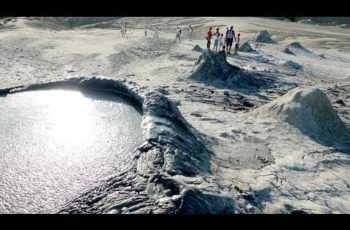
{"x": 293, "y": 65}
{"x": 197, "y": 48}
{"x": 229, "y": 101}
{"x": 247, "y": 47}
{"x": 172, "y": 149}
{"x": 6, "y": 20}
{"x": 309, "y": 110}
{"x": 263, "y": 159}
{"x": 250, "y": 152}
{"x": 246, "y": 103}
{"x": 339, "y": 95}
{"x": 298, "y": 46}
{"x": 264, "y": 37}
{"x": 340, "y": 102}
{"x": 196, "y": 114}
{"x": 214, "y": 68}
{"x": 288, "y": 51}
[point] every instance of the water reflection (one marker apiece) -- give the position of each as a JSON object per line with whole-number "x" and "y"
{"x": 56, "y": 144}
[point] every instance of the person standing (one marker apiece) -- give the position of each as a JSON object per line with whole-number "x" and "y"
{"x": 122, "y": 29}
{"x": 146, "y": 31}
{"x": 190, "y": 33}
{"x": 208, "y": 37}
{"x": 178, "y": 33}
{"x": 216, "y": 40}
{"x": 156, "y": 33}
{"x": 238, "y": 38}
{"x": 221, "y": 42}
{"x": 230, "y": 35}
{"x": 125, "y": 31}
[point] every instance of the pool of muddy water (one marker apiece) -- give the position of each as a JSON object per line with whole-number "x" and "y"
{"x": 57, "y": 144}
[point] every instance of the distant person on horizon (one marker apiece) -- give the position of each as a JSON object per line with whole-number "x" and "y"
{"x": 178, "y": 34}
{"x": 208, "y": 37}
{"x": 122, "y": 29}
{"x": 190, "y": 33}
{"x": 216, "y": 40}
{"x": 125, "y": 31}
{"x": 146, "y": 31}
{"x": 238, "y": 38}
{"x": 230, "y": 35}
{"x": 156, "y": 33}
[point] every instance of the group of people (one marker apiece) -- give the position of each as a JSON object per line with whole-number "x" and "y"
{"x": 221, "y": 42}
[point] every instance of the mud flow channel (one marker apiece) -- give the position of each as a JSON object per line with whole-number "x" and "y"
{"x": 57, "y": 144}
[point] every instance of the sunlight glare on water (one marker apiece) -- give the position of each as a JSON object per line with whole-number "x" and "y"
{"x": 57, "y": 144}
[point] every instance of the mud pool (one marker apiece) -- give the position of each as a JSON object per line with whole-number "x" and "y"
{"x": 57, "y": 144}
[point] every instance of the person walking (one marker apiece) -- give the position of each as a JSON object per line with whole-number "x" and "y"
{"x": 190, "y": 33}
{"x": 208, "y": 37}
{"x": 230, "y": 35}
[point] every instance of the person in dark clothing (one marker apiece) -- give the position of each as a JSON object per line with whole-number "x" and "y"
{"x": 230, "y": 35}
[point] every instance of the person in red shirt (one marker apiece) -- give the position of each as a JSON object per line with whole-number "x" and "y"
{"x": 208, "y": 37}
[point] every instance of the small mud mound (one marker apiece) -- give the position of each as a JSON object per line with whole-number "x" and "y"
{"x": 297, "y": 45}
{"x": 293, "y": 65}
{"x": 213, "y": 68}
{"x": 197, "y": 48}
{"x": 264, "y": 37}
{"x": 288, "y": 51}
{"x": 309, "y": 110}
{"x": 247, "y": 47}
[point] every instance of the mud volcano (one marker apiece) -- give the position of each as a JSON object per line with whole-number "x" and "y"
{"x": 213, "y": 68}
{"x": 309, "y": 110}
{"x": 168, "y": 172}
{"x": 57, "y": 144}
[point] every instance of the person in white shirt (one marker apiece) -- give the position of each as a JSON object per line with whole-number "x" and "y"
{"x": 221, "y": 41}
{"x": 216, "y": 40}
